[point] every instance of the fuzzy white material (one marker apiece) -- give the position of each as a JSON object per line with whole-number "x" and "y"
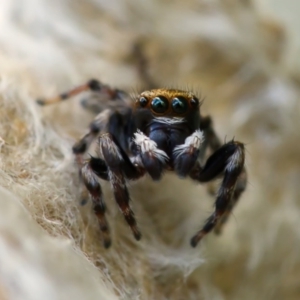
{"x": 247, "y": 66}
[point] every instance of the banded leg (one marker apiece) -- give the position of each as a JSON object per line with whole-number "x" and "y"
{"x": 239, "y": 189}
{"x": 118, "y": 163}
{"x": 229, "y": 159}
{"x": 97, "y": 125}
{"x": 91, "y": 85}
{"x": 93, "y": 186}
{"x": 79, "y": 148}
{"x": 96, "y": 167}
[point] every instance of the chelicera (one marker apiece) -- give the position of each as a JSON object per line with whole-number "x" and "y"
{"x": 159, "y": 130}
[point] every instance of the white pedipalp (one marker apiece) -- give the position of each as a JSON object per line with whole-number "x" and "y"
{"x": 149, "y": 146}
{"x": 193, "y": 141}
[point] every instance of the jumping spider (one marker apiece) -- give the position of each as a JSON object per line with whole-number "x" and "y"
{"x": 162, "y": 129}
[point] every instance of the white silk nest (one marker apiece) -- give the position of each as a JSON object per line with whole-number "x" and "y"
{"x": 236, "y": 55}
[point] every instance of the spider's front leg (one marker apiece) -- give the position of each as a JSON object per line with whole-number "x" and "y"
{"x": 114, "y": 168}
{"x": 119, "y": 166}
{"x": 230, "y": 159}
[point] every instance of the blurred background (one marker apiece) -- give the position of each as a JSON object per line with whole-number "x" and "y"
{"x": 241, "y": 56}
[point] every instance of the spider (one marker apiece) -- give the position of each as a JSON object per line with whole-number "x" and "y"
{"x": 159, "y": 130}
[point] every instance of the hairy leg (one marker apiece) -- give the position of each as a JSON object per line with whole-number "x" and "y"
{"x": 229, "y": 159}
{"x": 239, "y": 189}
{"x": 96, "y": 167}
{"x": 93, "y": 186}
{"x": 92, "y": 85}
{"x": 119, "y": 165}
{"x": 79, "y": 148}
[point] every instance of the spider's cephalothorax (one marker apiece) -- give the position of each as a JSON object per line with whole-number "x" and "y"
{"x": 167, "y": 122}
{"x": 162, "y": 129}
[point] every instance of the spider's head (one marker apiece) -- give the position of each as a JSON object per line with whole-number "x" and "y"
{"x": 167, "y": 105}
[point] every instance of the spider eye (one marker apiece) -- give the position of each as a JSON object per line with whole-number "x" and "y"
{"x": 143, "y": 101}
{"x": 194, "y": 102}
{"x": 179, "y": 105}
{"x": 159, "y": 104}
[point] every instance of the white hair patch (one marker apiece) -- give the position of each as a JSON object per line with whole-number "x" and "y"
{"x": 192, "y": 142}
{"x": 169, "y": 121}
{"x": 235, "y": 159}
{"x": 148, "y": 146}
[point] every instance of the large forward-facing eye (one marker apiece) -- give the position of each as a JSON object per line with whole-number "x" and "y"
{"x": 159, "y": 104}
{"x": 180, "y": 105}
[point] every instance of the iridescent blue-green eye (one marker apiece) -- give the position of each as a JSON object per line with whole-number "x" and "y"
{"x": 160, "y": 104}
{"x": 180, "y": 105}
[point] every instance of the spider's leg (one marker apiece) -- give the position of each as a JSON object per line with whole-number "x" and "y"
{"x": 186, "y": 155}
{"x": 210, "y": 144}
{"x": 210, "y": 137}
{"x": 119, "y": 166}
{"x": 80, "y": 147}
{"x": 97, "y": 167}
{"x": 229, "y": 159}
{"x": 93, "y": 186}
{"x": 91, "y": 85}
{"x": 97, "y": 125}
{"x": 239, "y": 189}
{"x": 151, "y": 158}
